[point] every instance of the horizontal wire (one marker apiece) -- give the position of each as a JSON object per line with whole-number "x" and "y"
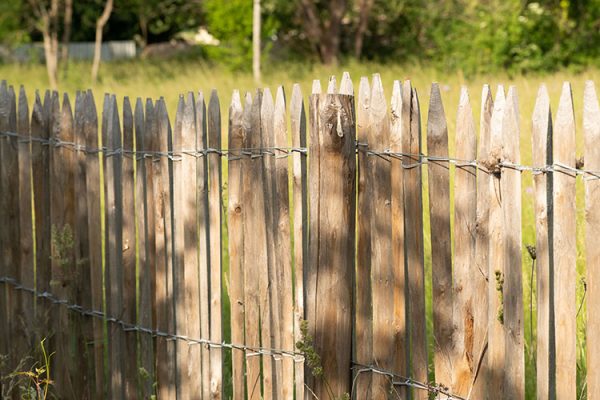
{"x": 416, "y": 160}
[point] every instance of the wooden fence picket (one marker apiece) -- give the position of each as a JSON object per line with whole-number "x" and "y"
{"x": 565, "y": 247}
{"x": 5, "y": 329}
{"x": 464, "y": 272}
{"x": 236, "y": 211}
{"x": 591, "y": 132}
{"x": 541, "y": 132}
{"x": 382, "y": 283}
{"x": 300, "y": 204}
{"x": 363, "y": 320}
{"x": 510, "y": 193}
{"x": 441, "y": 252}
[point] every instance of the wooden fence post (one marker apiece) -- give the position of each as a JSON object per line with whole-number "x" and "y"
{"x": 298, "y": 127}
{"x": 510, "y": 193}
{"x": 332, "y": 238}
{"x": 441, "y": 242}
{"x": 466, "y": 275}
{"x": 541, "y": 128}
{"x": 565, "y": 248}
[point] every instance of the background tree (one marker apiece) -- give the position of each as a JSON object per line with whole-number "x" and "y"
{"x": 98, "y": 44}
{"x": 47, "y": 16}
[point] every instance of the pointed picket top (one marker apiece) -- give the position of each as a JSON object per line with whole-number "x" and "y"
{"x": 396, "y": 118}
{"x": 316, "y": 87}
{"x": 139, "y": 124}
{"x": 591, "y": 127}
{"x": 541, "y": 128}
{"x": 127, "y": 125}
{"x": 23, "y": 113}
{"x": 466, "y": 146}
{"x": 12, "y": 109}
{"x": 90, "y": 120}
{"x": 279, "y": 122}
{"x": 495, "y": 147}
{"x": 564, "y": 132}
{"x": 346, "y": 86}
{"x": 378, "y": 106}
{"x": 55, "y": 116}
{"x": 3, "y": 86}
{"x": 297, "y": 117}
{"x": 236, "y": 102}
{"x": 296, "y": 100}
{"x": 66, "y": 121}
{"x": 485, "y": 117}
{"x": 37, "y": 117}
{"x": 267, "y": 106}
{"x": 437, "y": 128}
{"x": 332, "y": 85}
{"x": 189, "y": 121}
{"x": 510, "y": 127}
{"x": 236, "y": 113}
{"x": 362, "y": 109}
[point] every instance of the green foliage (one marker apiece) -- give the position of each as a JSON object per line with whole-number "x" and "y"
{"x": 13, "y": 30}
{"x": 32, "y": 383}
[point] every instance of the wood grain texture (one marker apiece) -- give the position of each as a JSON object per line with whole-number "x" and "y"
{"x": 235, "y": 212}
{"x": 441, "y": 245}
{"x": 382, "y": 279}
{"x": 144, "y": 218}
{"x": 162, "y": 225}
{"x": 466, "y": 294}
{"x": 510, "y": 192}
{"x": 129, "y": 282}
{"x": 496, "y": 332}
{"x": 591, "y": 133}
{"x": 214, "y": 205}
{"x": 541, "y": 137}
{"x": 478, "y": 387}
{"x": 114, "y": 248}
{"x": 4, "y": 239}
{"x": 332, "y": 240}
{"x": 399, "y": 323}
{"x": 300, "y": 207}
{"x": 363, "y": 319}
{"x": 565, "y": 248}
{"x": 413, "y": 228}
{"x": 94, "y": 223}
{"x": 284, "y": 251}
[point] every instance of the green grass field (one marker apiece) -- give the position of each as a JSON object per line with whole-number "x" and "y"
{"x": 170, "y": 78}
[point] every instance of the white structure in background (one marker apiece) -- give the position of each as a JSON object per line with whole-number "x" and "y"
{"x": 202, "y": 36}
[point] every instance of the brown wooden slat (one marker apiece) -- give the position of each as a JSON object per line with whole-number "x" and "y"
{"x": 213, "y": 124}
{"x": 378, "y": 189}
{"x": 565, "y": 248}
{"x": 236, "y": 212}
{"x": 300, "y": 204}
{"x": 510, "y": 192}
{"x": 496, "y": 351}
{"x": 465, "y": 272}
{"x": 332, "y": 240}
{"x": 541, "y": 128}
{"x": 363, "y": 307}
{"x": 441, "y": 251}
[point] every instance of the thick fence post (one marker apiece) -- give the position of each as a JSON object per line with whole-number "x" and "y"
{"x": 332, "y": 238}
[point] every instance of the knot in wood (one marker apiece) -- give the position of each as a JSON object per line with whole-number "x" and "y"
{"x": 492, "y": 164}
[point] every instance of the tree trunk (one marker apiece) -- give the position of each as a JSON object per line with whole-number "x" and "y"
{"x": 364, "y": 11}
{"x": 324, "y": 35}
{"x": 98, "y": 46}
{"x": 68, "y": 18}
{"x": 256, "y": 30}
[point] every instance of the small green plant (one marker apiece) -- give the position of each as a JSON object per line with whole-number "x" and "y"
{"x": 34, "y": 383}
{"x": 500, "y": 290}
{"x": 313, "y": 360}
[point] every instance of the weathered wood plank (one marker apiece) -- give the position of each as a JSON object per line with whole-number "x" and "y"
{"x": 363, "y": 350}
{"x": 144, "y": 218}
{"x": 284, "y": 251}
{"x": 300, "y": 205}
{"x": 268, "y": 283}
{"x": 333, "y": 240}
{"x": 510, "y": 192}
{"x": 378, "y": 189}
{"x": 496, "y": 351}
{"x": 441, "y": 251}
{"x": 236, "y": 212}
{"x": 203, "y": 236}
{"x": 25, "y": 320}
{"x": 94, "y": 222}
{"x": 114, "y": 248}
{"x": 399, "y": 322}
{"x": 565, "y": 248}
{"x": 215, "y": 219}
{"x": 5, "y": 329}
{"x": 465, "y": 273}
{"x": 165, "y": 368}
{"x": 591, "y": 133}
{"x": 413, "y": 228}
{"x": 129, "y": 283}
{"x": 541, "y": 137}
{"x": 255, "y": 241}
{"x": 478, "y": 384}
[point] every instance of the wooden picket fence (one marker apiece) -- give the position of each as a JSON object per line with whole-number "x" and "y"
{"x": 146, "y": 274}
